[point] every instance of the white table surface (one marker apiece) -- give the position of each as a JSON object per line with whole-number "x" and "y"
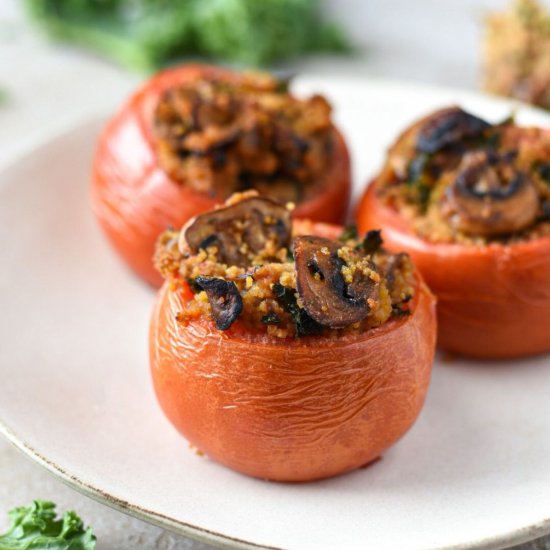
{"x": 51, "y": 87}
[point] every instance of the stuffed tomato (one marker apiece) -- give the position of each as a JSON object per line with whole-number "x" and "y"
{"x": 193, "y": 135}
{"x": 283, "y": 354}
{"x": 470, "y": 202}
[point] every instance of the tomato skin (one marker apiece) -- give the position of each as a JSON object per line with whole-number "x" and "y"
{"x": 493, "y": 301}
{"x": 291, "y": 410}
{"x": 134, "y": 200}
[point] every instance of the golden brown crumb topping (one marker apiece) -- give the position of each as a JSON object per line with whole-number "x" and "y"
{"x": 458, "y": 178}
{"x": 284, "y": 284}
{"x": 219, "y": 137}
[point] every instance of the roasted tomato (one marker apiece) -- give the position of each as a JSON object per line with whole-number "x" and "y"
{"x": 303, "y": 397}
{"x": 470, "y": 202}
{"x": 194, "y": 134}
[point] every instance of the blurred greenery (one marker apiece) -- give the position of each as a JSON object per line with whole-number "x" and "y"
{"x": 145, "y": 34}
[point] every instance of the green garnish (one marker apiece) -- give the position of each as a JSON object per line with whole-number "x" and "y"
{"x": 416, "y": 179}
{"x": 305, "y": 325}
{"x": 146, "y": 34}
{"x": 36, "y": 527}
{"x": 424, "y": 192}
{"x": 398, "y": 311}
{"x": 271, "y": 319}
{"x": 417, "y": 167}
{"x": 349, "y": 233}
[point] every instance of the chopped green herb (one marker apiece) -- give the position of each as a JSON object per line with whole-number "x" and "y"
{"x": 417, "y": 167}
{"x": 36, "y": 527}
{"x": 349, "y": 233}
{"x": 305, "y": 325}
{"x": 289, "y": 254}
{"x": 424, "y": 192}
{"x": 399, "y": 311}
{"x": 271, "y": 319}
{"x": 416, "y": 172}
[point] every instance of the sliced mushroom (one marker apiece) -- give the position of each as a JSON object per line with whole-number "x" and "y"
{"x": 448, "y": 127}
{"x": 491, "y": 197}
{"x": 240, "y": 231}
{"x": 225, "y": 300}
{"x": 321, "y": 286}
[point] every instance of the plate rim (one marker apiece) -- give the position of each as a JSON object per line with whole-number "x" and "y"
{"x": 498, "y": 542}
{"x": 20, "y": 155}
{"x": 104, "y": 497}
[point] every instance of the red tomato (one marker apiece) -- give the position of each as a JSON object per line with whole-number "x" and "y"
{"x": 292, "y": 409}
{"x": 135, "y": 200}
{"x": 493, "y": 301}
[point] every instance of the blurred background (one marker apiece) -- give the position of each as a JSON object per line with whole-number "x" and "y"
{"x": 64, "y": 60}
{"x": 61, "y": 59}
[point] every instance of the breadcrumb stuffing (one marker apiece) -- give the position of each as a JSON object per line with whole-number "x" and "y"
{"x": 218, "y": 136}
{"x": 418, "y": 184}
{"x": 255, "y": 284}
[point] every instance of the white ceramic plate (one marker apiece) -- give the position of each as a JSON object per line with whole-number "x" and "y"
{"x": 75, "y": 393}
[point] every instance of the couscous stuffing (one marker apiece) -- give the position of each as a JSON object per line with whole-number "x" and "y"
{"x": 457, "y": 178}
{"x": 242, "y": 262}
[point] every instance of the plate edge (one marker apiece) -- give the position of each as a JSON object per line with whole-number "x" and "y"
{"x": 74, "y": 482}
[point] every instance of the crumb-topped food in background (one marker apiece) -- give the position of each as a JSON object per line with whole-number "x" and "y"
{"x": 516, "y": 53}
{"x": 195, "y": 134}
{"x": 470, "y": 202}
{"x": 458, "y": 178}
{"x": 241, "y": 262}
{"x": 286, "y": 349}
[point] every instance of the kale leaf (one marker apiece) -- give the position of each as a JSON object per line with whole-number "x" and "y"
{"x": 349, "y": 233}
{"x": 36, "y": 527}
{"x": 145, "y": 34}
{"x": 305, "y": 325}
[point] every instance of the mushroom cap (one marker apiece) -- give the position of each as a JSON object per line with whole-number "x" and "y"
{"x": 491, "y": 197}
{"x": 325, "y": 294}
{"x": 240, "y": 230}
{"x": 447, "y": 127}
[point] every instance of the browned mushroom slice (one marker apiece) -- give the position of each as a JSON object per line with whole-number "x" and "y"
{"x": 225, "y": 300}
{"x": 448, "y": 127}
{"x": 329, "y": 297}
{"x": 491, "y": 197}
{"x": 240, "y": 231}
